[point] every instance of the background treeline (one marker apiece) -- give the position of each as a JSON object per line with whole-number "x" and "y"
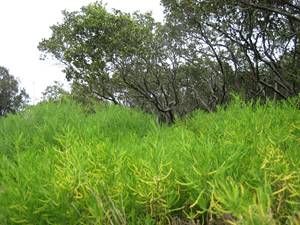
{"x": 204, "y": 51}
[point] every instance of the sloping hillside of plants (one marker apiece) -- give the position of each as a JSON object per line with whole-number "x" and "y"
{"x": 60, "y": 164}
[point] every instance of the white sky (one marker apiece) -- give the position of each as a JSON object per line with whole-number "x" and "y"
{"x": 23, "y": 24}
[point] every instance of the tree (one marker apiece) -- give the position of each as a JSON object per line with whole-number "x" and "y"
{"x": 117, "y": 57}
{"x": 12, "y": 97}
{"x": 54, "y": 92}
{"x": 258, "y": 39}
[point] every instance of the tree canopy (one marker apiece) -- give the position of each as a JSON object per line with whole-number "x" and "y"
{"x": 122, "y": 58}
{"x": 12, "y": 97}
{"x": 259, "y": 39}
{"x": 204, "y": 51}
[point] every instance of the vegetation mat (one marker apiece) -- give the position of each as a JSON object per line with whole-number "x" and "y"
{"x": 61, "y": 164}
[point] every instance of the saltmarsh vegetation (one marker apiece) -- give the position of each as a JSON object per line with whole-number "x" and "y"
{"x": 62, "y": 165}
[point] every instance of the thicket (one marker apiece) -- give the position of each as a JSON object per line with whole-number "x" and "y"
{"x": 60, "y": 164}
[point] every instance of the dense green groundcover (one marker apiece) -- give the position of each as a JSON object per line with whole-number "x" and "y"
{"x": 60, "y": 164}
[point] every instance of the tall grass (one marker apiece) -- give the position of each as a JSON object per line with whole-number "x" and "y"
{"x": 240, "y": 165}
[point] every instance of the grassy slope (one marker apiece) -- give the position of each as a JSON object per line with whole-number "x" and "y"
{"x": 59, "y": 165}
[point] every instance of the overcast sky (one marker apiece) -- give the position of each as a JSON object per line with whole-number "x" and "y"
{"x": 23, "y": 24}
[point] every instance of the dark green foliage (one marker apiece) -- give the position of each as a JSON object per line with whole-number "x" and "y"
{"x": 258, "y": 39}
{"x": 204, "y": 51}
{"x": 59, "y": 165}
{"x": 12, "y": 97}
{"x": 117, "y": 57}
